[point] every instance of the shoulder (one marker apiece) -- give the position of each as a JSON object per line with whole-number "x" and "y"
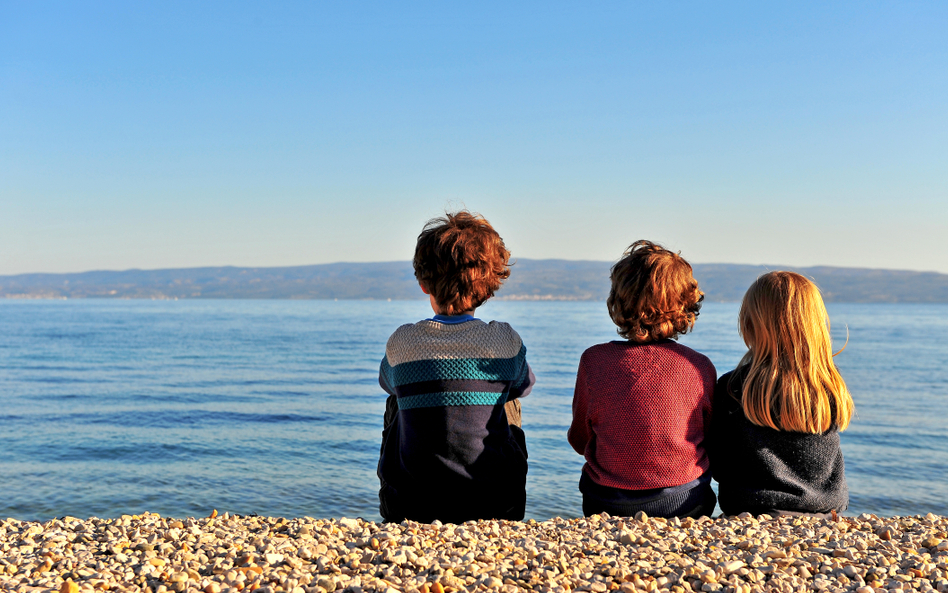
{"x": 731, "y": 382}
{"x": 406, "y": 343}
{"x": 724, "y": 379}
{"x": 501, "y": 329}
{"x": 723, "y": 384}
{"x": 498, "y": 339}
{"x": 403, "y": 333}
{"x": 692, "y": 357}
{"x": 727, "y": 391}
{"x": 602, "y": 351}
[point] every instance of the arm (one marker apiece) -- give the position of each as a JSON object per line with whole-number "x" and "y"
{"x": 715, "y": 431}
{"x": 580, "y": 431}
{"x": 709, "y": 378}
{"x": 524, "y": 386}
{"x": 523, "y": 383}
{"x": 386, "y": 381}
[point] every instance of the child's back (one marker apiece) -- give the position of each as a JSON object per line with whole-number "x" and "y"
{"x": 762, "y": 470}
{"x": 648, "y": 404}
{"x": 450, "y": 452}
{"x": 641, "y": 406}
{"x": 774, "y": 442}
{"x": 451, "y": 447}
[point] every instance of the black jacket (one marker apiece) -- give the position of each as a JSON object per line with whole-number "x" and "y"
{"x": 761, "y": 470}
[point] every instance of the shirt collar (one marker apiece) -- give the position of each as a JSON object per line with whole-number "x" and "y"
{"x": 453, "y": 319}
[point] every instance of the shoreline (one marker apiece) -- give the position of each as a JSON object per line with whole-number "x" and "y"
{"x": 601, "y": 553}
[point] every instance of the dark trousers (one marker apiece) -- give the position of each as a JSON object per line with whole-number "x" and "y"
{"x": 454, "y": 506}
{"x": 448, "y": 504}
{"x": 693, "y": 499}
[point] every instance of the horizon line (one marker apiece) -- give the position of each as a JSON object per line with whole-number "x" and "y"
{"x": 555, "y": 259}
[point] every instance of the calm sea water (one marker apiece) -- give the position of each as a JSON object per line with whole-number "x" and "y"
{"x": 273, "y": 407}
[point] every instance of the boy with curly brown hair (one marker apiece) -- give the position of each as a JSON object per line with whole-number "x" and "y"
{"x": 452, "y": 448}
{"x": 642, "y": 405}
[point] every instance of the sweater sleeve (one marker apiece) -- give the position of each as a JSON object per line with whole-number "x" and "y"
{"x": 710, "y": 383}
{"x": 386, "y": 381}
{"x": 523, "y": 385}
{"x": 579, "y": 431}
{"x": 715, "y": 443}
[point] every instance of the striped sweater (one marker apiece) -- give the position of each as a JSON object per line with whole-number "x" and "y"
{"x": 448, "y": 379}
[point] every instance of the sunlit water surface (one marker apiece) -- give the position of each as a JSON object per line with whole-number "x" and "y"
{"x": 273, "y": 407}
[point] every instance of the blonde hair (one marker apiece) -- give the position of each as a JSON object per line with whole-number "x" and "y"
{"x": 791, "y": 383}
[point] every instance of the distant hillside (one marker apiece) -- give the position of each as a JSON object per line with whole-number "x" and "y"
{"x": 589, "y": 280}
{"x": 728, "y": 282}
{"x": 530, "y": 280}
{"x": 385, "y": 280}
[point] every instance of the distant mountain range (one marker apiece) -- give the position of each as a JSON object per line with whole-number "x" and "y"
{"x": 548, "y": 279}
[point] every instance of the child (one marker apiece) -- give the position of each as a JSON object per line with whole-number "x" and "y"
{"x": 775, "y": 440}
{"x": 641, "y": 406}
{"x": 452, "y": 447}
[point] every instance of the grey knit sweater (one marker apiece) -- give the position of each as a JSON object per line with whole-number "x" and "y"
{"x": 448, "y": 450}
{"x": 761, "y": 470}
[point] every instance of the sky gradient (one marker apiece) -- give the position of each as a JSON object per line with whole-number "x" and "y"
{"x": 184, "y": 134}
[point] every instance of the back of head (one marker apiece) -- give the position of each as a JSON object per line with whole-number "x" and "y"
{"x": 461, "y": 260}
{"x": 654, "y": 295}
{"x": 791, "y": 382}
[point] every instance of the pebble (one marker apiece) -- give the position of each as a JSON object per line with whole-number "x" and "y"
{"x": 243, "y": 554}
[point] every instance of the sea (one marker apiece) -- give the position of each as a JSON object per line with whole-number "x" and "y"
{"x": 111, "y": 407}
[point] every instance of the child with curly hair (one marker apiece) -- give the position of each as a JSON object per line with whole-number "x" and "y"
{"x": 642, "y": 405}
{"x": 452, "y": 447}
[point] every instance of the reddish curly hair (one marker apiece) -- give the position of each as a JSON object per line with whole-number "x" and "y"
{"x": 654, "y": 295}
{"x": 461, "y": 261}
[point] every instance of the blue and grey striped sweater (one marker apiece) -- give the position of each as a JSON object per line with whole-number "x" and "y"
{"x": 448, "y": 380}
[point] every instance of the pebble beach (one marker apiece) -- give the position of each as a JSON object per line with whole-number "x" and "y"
{"x": 229, "y": 553}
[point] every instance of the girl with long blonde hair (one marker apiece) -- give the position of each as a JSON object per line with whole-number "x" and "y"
{"x": 774, "y": 442}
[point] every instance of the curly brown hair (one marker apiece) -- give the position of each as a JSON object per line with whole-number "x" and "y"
{"x": 654, "y": 295}
{"x": 461, "y": 261}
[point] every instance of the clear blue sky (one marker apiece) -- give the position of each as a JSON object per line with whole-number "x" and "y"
{"x": 182, "y": 134}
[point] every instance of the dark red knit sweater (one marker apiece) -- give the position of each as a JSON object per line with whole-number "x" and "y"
{"x": 640, "y": 413}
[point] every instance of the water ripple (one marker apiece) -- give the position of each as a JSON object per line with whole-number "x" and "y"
{"x": 273, "y": 407}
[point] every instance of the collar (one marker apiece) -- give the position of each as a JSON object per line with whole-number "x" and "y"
{"x": 453, "y": 319}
